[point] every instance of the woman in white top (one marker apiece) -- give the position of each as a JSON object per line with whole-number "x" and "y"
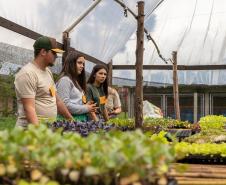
{"x": 71, "y": 87}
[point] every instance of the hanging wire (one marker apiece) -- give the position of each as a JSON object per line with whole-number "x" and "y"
{"x": 145, "y": 30}
{"x": 156, "y": 47}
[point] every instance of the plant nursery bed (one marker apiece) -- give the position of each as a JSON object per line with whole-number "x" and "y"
{"x": 180, "y": 133}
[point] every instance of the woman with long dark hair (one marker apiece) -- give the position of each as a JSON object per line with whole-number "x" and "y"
{"x": 71, "y": 86}
{"x": 97, "y": 91}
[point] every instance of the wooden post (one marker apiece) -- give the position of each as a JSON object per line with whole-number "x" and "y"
{"x": 195, "y": 120}
{"x": 110, "y": 73}
{"x": 66, "y": 45}
{"x": 139, "y": 67}
{"x": 131, "y": 102}
{"x": 175, "y": 87}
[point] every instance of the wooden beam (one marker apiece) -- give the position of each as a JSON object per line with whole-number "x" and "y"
{"x": 34, "y": 35}
{"x": 66, "y": 46}
{"x": 110, "y": 73}
{"x": 170, "y": 67}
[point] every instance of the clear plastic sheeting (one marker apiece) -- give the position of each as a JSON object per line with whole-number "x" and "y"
{"x": 12, "y": 58}
{"x": 164, "y": 78}
{"x": 15, "y": 55}
{"x": 149, "y": 5}
{"x": 15, "y": 39}
{"x": 132, "y": 82}
{"x": 106, "y": 29}
{"x": 101, "y": 34}
{"x": 8, "y": 68}
{"x": 204, "y": 77}
{"x": 196, "y": 29}
{"x": 46, "y": 17}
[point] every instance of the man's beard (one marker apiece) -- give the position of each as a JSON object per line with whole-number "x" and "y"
{"x": 50, "y": 64}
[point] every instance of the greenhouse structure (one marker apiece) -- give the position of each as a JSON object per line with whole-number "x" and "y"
{"x": 171, "y": 53}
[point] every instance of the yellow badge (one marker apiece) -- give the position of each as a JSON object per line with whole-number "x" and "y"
{"x": 103, "y": 100}
{"x": 84, "y": 99}
{"x": 52, "y": 91}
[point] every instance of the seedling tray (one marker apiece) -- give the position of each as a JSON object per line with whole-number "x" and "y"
{"x": 204, "y": 159}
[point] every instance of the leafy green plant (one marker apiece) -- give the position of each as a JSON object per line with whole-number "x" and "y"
{"x": 7, "y": 122}
{"x": 184, "y": 149}
{"x": 166, "y": 123}
{"x": 39, "y": 153}
{"x": 212, "y": 127}
{"x": 7, "y": 93}
{"x": 212, "y": 122}
{"x": 163, "y": 123}
{"x": 122, "y": 122}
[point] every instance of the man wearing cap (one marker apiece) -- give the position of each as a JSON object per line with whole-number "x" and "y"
{"x": 35, "y": 88}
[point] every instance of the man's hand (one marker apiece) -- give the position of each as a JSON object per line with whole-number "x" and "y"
{"x": 29, "y": 109}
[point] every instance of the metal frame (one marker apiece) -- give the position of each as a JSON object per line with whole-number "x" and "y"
{"x": 68, "y": 30}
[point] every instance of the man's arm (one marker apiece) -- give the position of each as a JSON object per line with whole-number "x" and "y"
{"x": 29, "y": 110}
{"x": 62, "y": 109}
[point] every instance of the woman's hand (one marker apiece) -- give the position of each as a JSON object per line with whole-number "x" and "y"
{"x": 91, "y": 107}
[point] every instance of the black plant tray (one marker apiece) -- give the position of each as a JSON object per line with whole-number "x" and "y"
{"x": 180, "y": 133}
{"x": 204, "y": 159}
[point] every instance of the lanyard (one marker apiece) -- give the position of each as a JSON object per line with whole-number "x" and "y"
{"x": 102, "y": 99}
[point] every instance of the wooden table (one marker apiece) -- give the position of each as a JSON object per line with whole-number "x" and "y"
{"x": 198, "y": 174}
